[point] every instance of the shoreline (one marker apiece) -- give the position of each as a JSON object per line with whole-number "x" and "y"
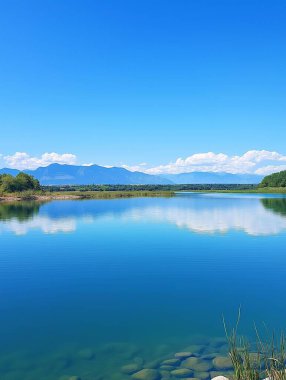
{"x": 85, "y": 195}
{"x": 263, "y": 190}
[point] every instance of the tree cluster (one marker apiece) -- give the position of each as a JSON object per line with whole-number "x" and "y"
{"x": 274, "y": 180}
{"x": 21, "y": 182}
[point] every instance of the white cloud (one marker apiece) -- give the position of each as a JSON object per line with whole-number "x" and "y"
{"x": 135, "y": 168}
{"x": 22, "y": 160}
{"x": 262, "y": 155}
{"x": 261, "y": 162}
{"x": 269, "y": 169}
{"x": 251, "y": 162}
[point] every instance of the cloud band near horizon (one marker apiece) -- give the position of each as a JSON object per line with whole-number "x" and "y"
{"x": 260, "y": 162}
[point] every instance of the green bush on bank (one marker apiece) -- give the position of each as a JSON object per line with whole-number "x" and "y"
{"x": 274, "y": 180}
{"x": 21, "y": 182}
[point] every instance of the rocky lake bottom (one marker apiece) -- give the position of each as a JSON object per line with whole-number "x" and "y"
{"x": 120, "y": 361}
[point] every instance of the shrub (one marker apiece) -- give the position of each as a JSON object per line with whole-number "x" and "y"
{"x": 22, "y": 182}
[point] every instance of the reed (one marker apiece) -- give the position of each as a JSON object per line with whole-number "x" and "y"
{"x": 261, "y": 359}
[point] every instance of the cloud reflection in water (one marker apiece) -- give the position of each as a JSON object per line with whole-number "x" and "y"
{"x": 199, "y": 214}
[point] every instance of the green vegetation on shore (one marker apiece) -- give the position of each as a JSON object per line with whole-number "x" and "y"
{"x": 26, "y": 187}
{"x": 158, "y": 189}
{"x": 21, "y": 182}
{"x": 277, "y": 180}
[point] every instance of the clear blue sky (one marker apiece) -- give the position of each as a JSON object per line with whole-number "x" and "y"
{"x": 142, "y": 80}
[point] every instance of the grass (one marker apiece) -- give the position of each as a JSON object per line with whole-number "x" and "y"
{"x": 257, "y": 360}
{"x": 272, "y": 190}
{"x": 110, "y": 194}
{"x": 46, "y": 195}
{"x": 257, "y": 190}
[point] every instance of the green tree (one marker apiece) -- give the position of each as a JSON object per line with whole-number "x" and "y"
{"x": 21, "y": 182}
{"x": 274, "y": 180}
{"x": 26, "y": 182}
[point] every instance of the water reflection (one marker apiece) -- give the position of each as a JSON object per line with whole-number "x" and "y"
{"x": 278, "y": 206}
{"x": 21, "y": 217}
{"x": 20, "y": 211}
{"x": 197, "y": 213}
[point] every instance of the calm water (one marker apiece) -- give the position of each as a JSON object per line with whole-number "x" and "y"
{"x": 133, "y": 279}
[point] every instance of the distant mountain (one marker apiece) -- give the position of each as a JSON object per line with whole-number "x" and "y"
{"x": 213, "y": 178}
{"x": 57, "y": 174}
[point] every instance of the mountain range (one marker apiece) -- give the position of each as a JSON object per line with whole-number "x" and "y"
{"x": 213, "y": 178}
{"x": 56, "y": 174}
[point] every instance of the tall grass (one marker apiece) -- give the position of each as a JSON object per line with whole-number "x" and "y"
{"x": 110, "y": 194}
{"x": 263, "y": 358}
{"x": 46, "y": 195}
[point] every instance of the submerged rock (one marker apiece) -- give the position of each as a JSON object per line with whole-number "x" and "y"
{"x": 147, "y": 374}
{"x": 197, "y": 364}
{"x": 152, "y": 364}
{"x": 182, "y": 373}
{"x": 183, "y": 355}
{"x": 202, "y": 375}
{"x": 130, "y": 368}
{"x": 165, "y": 375}
{"x": 167, "y": 367}
{"x": 172, "y": 362}
{"x": 222, "y": 362}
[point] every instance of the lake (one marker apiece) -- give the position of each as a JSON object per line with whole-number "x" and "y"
{"x": 89, "y": 286}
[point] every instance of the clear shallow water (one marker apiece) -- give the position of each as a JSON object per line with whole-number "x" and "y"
{"x": 134, "y": 278}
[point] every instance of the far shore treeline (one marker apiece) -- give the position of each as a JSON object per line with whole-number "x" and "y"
{"x": 23, "y": 182}
{"x": 151, "y": 188}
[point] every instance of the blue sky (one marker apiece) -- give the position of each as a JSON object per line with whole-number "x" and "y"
{"x": 130, "y": 82}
